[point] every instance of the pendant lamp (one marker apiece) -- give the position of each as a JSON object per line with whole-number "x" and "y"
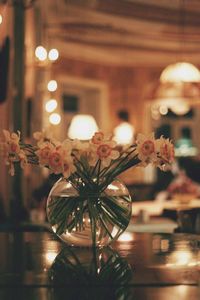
{"x": 178, "y": 88}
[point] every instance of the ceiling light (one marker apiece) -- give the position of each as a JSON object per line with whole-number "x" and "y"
{"x": 179, "y": 107}
{"x": 178, "y": 96}
{"x": 180, "y": 72}
{"x": 178, "y": 81}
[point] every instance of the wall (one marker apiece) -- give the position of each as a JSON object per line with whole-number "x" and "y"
{"x": 5, "y": 107}
{"x": 8, "y": 106}
{"x": 127, "y": 87}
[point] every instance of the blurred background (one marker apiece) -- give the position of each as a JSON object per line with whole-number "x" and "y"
{"x": 122, "y": 66}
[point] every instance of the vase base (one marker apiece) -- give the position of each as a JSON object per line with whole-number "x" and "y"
{"x": 83, "y": 238}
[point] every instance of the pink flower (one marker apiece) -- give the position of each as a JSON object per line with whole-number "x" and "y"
{"x": 146, "y": 148}
{"x": 44, "y": 152}
{"x": 101, "y": 148}
{"x": 11, "y": 150}
{"x": 106, "y": 153}
{"x": 56, "y": 162}
{"x": 12, "y": 142}
{"x": 165, "y": 150}
{"x": 61, "y": 162}
{"x": 85, "y": 159}
{"x": 97, "y": 138}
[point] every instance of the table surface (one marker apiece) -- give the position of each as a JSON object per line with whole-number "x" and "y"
{"x": 140, "y": 266}
{"x": 156, "y": 208}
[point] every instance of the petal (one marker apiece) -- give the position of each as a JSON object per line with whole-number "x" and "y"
{"x": 114, "y": 154}
{"x": 15, "y": 136}
{"x": 106, "y": 162}
{"x": 38, "y": 135}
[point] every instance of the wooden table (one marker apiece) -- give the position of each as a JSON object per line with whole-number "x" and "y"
{"x": 156, "y": 208}
{"x": 140, "y": 266}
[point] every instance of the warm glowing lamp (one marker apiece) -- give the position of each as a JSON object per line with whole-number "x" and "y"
{"x": 52, "y": 86}
{"x": 1, "y": 19}
{"x": 82, "y": 127}
{"x": 179, "y": 107}
{"x": 126, "y": 237}
{"x": 180, "y": 72}
{"x": 124, "y": 133}
{"x": 51, "y": 105}
{"x": 177, "y": 87}
{"x": 54, "y": 119}
{"x": 50, "y": 256}
{"x": 178, "y": 80}
{"x": 53, "y": 54}
{"x": 41, "y": 53}
{"x": 177, "y": 96}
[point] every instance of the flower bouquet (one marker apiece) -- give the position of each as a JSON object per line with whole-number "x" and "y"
{"x": 88, "y": 206}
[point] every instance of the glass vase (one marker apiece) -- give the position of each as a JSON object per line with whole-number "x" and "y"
{"x": 82, "y": 217}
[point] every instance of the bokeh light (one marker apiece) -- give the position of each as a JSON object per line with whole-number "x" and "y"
{"x": 55, "y": 119}
{"x": 52, "y": 86}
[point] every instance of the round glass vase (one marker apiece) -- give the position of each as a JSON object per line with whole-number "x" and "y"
{"x": 83, "y": 218}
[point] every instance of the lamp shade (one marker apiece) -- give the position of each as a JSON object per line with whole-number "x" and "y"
{"x": 124, "y": 133}
{"x": 180, "y": 72}
{"x": 82, "y": 127}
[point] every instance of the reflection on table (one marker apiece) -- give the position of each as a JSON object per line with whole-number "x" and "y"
{"x": 90, "y": 274}
{"x": 35, "y": 265}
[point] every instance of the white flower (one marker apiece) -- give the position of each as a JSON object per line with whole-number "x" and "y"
{"x": 11, "y": 151}
{"x": 44, "y": 136}
{"x": 105, "y": 152}
{"x": 38, "y": 135}
{"x": 12, "y": 141}
{"x": 43, "y": 153}
{"x": 61, "y": 162}
{"x": 86, "y": 159}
